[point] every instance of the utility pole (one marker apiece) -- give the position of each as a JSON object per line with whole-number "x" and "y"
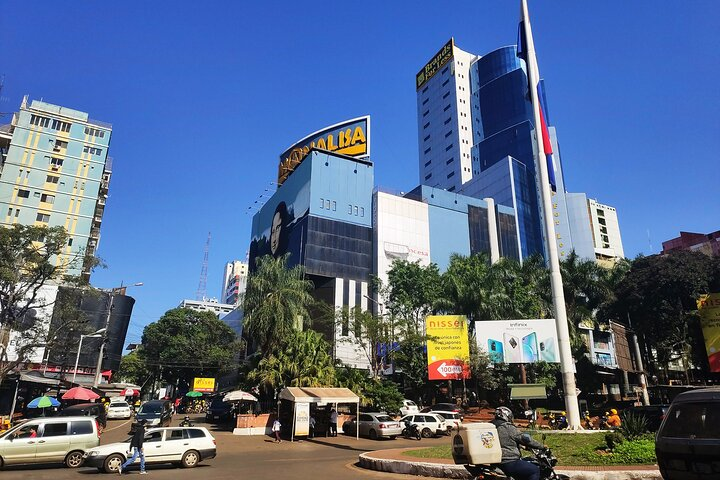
{"x": 98, "y": 368}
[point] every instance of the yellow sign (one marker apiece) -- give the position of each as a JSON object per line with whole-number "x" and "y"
{"x": 351, "y": 138}
{"x": 201, "y": 384}
{"x": 437, "y": 62}
{"x": 709, "y": 310}
{"x": 448, "y": 347}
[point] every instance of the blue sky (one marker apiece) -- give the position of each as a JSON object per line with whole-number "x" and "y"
{"x": 203, "y": 97}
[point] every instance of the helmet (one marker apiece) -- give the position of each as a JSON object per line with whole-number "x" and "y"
{"x": 607, "y": 413}
{"x": 504, "y": 413}
{"x": 563, "y": 413}
{"x": 613, "y": 411}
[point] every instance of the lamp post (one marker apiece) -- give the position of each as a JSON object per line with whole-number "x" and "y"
{"x": 392, "y": 329}
{"x": 77, "y": 357}
{"x": 107, "y": 325}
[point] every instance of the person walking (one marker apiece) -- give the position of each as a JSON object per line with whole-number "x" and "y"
{"x": 333, "y": 423}
{"x": 137, "y": 444}
{"x": 312, "y": 426}
{"x": 276, "y": 429}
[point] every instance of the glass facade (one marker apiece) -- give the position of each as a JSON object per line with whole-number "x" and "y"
{"x": 337, "y": 249}
{"x": 479, "y": 234}
{"x": 507, "y": 236}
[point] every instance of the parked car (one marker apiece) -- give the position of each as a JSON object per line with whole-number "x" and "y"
{"x": 654, "y": 415}
{"x": 428, "y": 423}
{"x": 184, "y": 446}
{"x": 219, "y": 411}
{"x": 452, "y": 419}
{"x": 373, "y": 425}
{"x": 157, "y": 413}
{"x": 49, "y": 440}
{"x": 95, "y": 410}
{"x": 408, "y": 407}
{"x": 119, "y": 410}
{"x": 688, "y": 442}
{"x": 443, "y": 407}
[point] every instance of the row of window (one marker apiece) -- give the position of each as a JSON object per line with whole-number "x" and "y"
{"x": 328, "y": 205}
{"x": 94, "y": 132}
{"x": 92, "y": 150}
{"x": 40, "y": 121}
{"x": 44, "y": 197}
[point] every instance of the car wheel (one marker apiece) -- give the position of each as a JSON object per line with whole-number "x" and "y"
{"x": 113, "y": 462}
{"x": 190, "y": 459}
{"x": 74, "y": 459}
{"x": 373, "y": 434}
{"x": 393, "y": 437}
{"x": 426, "y": 432}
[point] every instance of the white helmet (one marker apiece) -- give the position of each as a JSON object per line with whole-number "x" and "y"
{"x": 504, "y": 413}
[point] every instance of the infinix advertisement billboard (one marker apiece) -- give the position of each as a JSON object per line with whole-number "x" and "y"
{"x": 518, "y": 341}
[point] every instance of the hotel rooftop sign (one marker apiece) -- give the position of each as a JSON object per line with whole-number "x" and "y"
{"x": 351, "y": 137}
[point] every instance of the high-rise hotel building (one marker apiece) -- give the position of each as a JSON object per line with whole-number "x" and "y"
{"x": 56, "y": 171}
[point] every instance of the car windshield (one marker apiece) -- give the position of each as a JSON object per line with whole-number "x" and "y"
{"x": 150, "y": 408}
{"x": 410, "y": 403}
{"x": 384, "y": 418}
{"x": 692, "y": 420}
{"x": 119, "y": 405}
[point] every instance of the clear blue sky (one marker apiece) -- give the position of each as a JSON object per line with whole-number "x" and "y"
{"x": 203, "y": 97}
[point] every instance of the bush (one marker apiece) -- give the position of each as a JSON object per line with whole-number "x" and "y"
{"x": 633, "y": 425}
{"x": 613, "y": 439}
{"x": 635, "y": 451}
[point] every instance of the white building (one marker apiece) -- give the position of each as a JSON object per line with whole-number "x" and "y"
{"x": 209, "y": 305}
{"x": 606, "y": 231}
{"x": 41, "y": 311}
{"x": 234, "y": 282}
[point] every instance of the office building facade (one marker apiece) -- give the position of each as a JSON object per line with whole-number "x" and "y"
{"x": 56, "y": 172}
{"x": 709, "y": 243}
{"x": 234, "y": 282}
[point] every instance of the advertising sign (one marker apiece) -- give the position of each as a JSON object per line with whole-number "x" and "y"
{"x": 302, "y": 418}
{"x": 437, "y": 62}
{"x": 201, "y": 384}
{"x": 518, "y": 341}
{"x": 448, "y": 348}
{"x": 709, "y": 310}
{"x": 351, "y": 137}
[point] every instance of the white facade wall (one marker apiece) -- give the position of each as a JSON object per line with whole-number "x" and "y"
{"x": 445, "y": 124}
{"x": 606, "y": 230}
{"x": 43, "y": 309}
{"x": 346, "y": 346}
{"x": 235, "y": 273}
{"x": 219, "y": 309}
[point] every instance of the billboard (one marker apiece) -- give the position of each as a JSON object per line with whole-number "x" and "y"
{"x": 437, "y": 62}
{"x": 709, "y": 310}
{"x": 448, "y": 348}
{"x": 201, "y": 384}
{"x": 351, "y": 137}
{"x": 518, "y": 341}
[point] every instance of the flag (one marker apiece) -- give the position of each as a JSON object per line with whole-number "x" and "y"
{"x": 524, "y": 52}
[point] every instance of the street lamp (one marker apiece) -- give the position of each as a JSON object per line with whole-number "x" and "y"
{"x": 77, "y": 357}
{"x": 391, "y": 346}
{"x": 107, "y": 325}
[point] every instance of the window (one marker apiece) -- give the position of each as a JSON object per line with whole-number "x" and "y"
{"x": 47, "y": 198}
{"x": 427, "y": 150}
{"x": 55, "y": 429}
{"x": 448, "y": 133}
{"x": 94, "y": 132}
{"x": 451, "y": 189}
{"x": 362, "y": 211}
{"x": 449, "y": 161}
{"x": 52, "y": 179}
{"x": 446, "y": 108}
{"x": 334, "y": 206}
{"x": 425, "y": 89}
{"x": 17, "y": 212}
{"x": 349, "y": 209}
{"x": 92, "y": 150}
{"x": 61, "y": 126}
{"x": 70, "y": 242}
{"x": 39, "y": 121}
{"x": 425, "y": 101}
{"x": 42, "y": 217}
{"x": 81, "y": 427}
{"x": 59, "y": 145}
{"x": 445, "y": 82}
{"x": 23, "y": 193}
{"x": 427, "y": 177}
{"x": 448, "y": 120}
{"x": 356, "y": 211}
{"x": 445, "y": 70}
{"x": 426, "y": 138}
{"x": 428, "y": 163}
{"x": 448, "y": 147}
{"x": 9, "y": 211}
{"x": 426, "y": 125}
{"x": 57, "y": 162}
{"x": 426, "y": 112}
{"x": 174, "y": 435}
{"x": 195, "y": 433}
{"x": 322, "y": 203}
{"x": 451, "y": 174}
{"x": 153, "y": 437}
{"x": 446, "y": 95}
{"x": 327, "y": 204}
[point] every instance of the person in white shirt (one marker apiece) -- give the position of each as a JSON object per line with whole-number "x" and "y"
{"x": 333, "y": 423}
{"x": 276, "y": 428}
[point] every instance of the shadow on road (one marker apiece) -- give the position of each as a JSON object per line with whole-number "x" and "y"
{"x": 317, "y": 441}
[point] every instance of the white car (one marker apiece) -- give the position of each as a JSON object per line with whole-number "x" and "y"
{"x": 429, "y": 424}
{"x": 452, "y": 419}
{"x": 408, "y": 407}
{"x": 119, "y": 410}
{"x": 184, "y": 446}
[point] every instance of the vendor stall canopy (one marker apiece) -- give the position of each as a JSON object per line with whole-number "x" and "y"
{"x": 319, "y": 395}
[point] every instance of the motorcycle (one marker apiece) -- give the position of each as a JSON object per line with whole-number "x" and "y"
{"x": 587, "y": 421}
{"x": 543, "y": 458}
{"x": 552, "y": 421}
{"x": 186, "y": 422}
{"x": 411, "y": 430}
{"x": 604, "y": 425}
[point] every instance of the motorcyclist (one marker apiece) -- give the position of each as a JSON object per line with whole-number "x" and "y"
{"x": 613, "y": 420}
{"x": 512, "y": 463}
{"x": 562, "y": 421}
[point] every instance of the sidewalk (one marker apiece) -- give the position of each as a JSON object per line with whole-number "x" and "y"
{"x": 394, "y": 461}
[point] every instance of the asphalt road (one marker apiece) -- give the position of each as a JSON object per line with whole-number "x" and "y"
{"x": 246, "y": 457}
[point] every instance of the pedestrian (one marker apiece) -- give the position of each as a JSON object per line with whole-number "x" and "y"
{"x": 136, "y": 443}
{"x": 312, "y": 427}
{"x": 333, "y": 423}
{"x": 276, "y": 428}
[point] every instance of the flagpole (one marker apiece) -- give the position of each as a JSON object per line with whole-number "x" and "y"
{"x": 567, "y": 364}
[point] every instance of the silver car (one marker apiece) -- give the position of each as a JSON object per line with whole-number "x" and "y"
{"x": 374, "y": 425}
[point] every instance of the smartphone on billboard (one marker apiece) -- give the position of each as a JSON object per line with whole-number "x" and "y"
{"x": 495, "y": 349}
{"x": 530, "y": 348}
{"x": 547, "y": 350}
{"x": 511, "y": 346}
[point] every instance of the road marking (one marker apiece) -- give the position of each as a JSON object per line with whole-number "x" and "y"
{"x": 118, "y": 426}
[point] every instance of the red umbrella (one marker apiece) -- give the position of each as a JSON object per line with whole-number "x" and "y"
{"x": 130, "y": 392}
{"x": 80, "y": 393}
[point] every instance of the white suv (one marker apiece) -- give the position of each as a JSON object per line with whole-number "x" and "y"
{"x": 429, "y": 424}
{"x": 408, "y": 407}
{"x": 452, "y": 419}
{"x": 185, "y": 446}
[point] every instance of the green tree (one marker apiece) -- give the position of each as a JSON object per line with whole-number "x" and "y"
{"x": 378, "y": 393}
{"x": 30, "y": 258}
{"x": 133, "y": 369}
{"x": 185, "y": 343}
{"x": 412, "y": 292}
{"x": 368, "y": 331}
{"x": 303, "y": 360}
{"x": 276, "y": 302}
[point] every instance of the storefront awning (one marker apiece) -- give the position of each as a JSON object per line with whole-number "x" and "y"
{"x": 319, "y": 395}
{"x": 37, "y": 377}
{"x": 527, "y": 391}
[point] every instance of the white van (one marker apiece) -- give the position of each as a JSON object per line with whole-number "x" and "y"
{"x": 49, "y": 440}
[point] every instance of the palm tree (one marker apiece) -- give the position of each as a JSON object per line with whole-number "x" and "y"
{"x": 276, "y": 302}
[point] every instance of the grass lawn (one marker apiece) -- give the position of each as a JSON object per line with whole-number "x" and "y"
{"x": 570, "y": 449}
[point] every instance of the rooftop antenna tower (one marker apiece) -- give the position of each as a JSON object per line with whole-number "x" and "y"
{"x": 202, "y": 285}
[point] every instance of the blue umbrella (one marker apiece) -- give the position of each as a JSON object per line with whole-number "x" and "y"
{"x": 43, "y": 402}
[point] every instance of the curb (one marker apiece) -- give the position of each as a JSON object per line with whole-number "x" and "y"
{"x": 439, "y": 470}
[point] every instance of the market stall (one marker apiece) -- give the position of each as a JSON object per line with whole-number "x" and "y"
{"x": 302, "y": 397}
